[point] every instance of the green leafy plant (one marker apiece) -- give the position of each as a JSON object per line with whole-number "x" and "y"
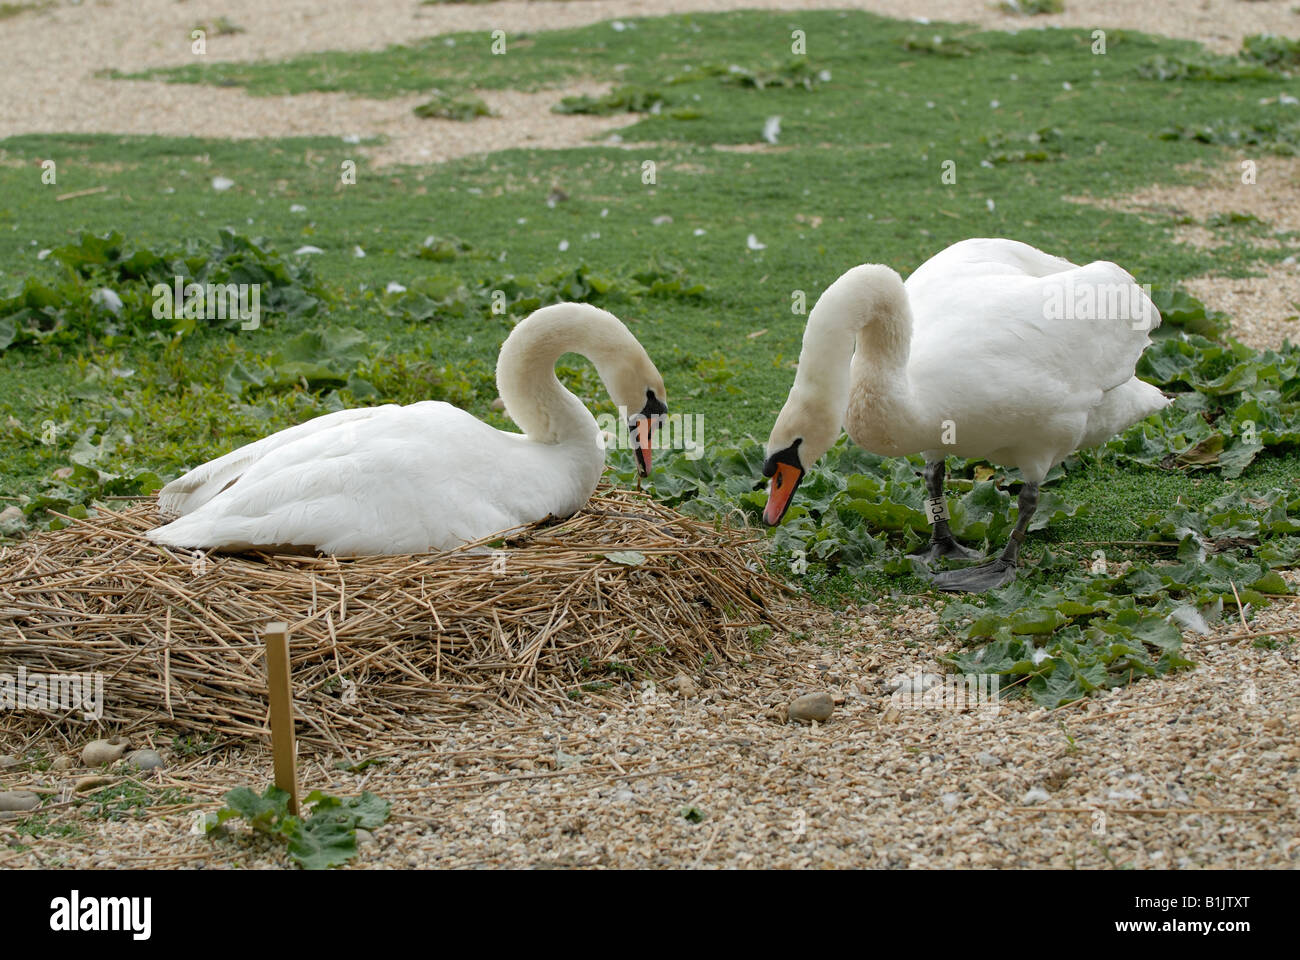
{"x": 325, "y": 837}
{"x": 1230, "y": 402}
{"x": 221, "y": 27}
{"x": 441, "y": 297}
{"x": 939, "y": 45}
{"x": 1262, "y": 57}
{"x": 446, "y": 106}
{"x": 1273, "y": 51}
{"x": 1032, "y": 8}
{"x": 626, "y": 99}
{"x": 1201, "y": 66}
{"x": 313, "y": 359}
{"x": 795, "y": 73}
{"x": 443, "y": 249}
{"x": 1234, "y": 219}
{"x": 1277, "y": 137}
{"x": 76, "y": 306}
{"x": 1037, "y": 146}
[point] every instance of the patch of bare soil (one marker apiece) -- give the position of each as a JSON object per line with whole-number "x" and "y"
{"x": 1263, "y": 309}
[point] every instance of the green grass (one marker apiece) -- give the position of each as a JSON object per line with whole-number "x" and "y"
{"x": 1032, "y": 8}
{"x": 869, "y": 116}
{"x": 129, "y": 799}
{"x": 865, "y": 160}
{"x": 8, "y": 10}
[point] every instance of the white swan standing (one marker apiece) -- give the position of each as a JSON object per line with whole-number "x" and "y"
{"x": 427, "y": 476}
{"x": 991, "y": 349}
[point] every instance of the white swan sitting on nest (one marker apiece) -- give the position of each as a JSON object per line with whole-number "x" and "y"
{"x": 992, "y": 349}
{"x": 428, "y": 476}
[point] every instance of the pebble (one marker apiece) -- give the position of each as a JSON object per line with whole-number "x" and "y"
{"x": 685, "y": 686}
{"x": 1035, "y": 795}
{"x": 365, "y": 837}
{"x": 7, "y": 761}
{"x": 950, "y": 801}
{"x": 145, "y": 759}
{"x": 19, "y": 800}
{"x": 9, "y": 514}
{"x": 63, "y": 763}
{"x": 988, "y": 760}
{"x": 810, "y": 707}
{"x": 99, "y": 752}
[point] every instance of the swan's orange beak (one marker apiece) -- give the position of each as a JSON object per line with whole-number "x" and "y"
{"x": 781, "y": 492}
{"x": 644, "y": 433}
{"x": 643, "y": 425}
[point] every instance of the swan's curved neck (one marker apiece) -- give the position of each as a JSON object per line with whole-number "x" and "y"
{"x": 855, "y": 352}
{"x": 526, "y": 380}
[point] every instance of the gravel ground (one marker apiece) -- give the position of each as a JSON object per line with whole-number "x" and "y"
{"x": 1195, "y": 771}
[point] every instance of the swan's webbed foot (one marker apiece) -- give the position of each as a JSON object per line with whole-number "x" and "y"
{"x": 987, "y": 576}
{"x": 946, "y": 547}
{"x": 999, "y": 572}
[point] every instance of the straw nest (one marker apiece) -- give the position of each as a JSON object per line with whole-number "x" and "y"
{"x": 626, "y": 591}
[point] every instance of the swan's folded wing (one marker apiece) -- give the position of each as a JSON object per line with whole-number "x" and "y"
{"x": 1065, "y": 338}
{"x": 190, "y": 491}
{"x": 986, "y": 257}
{"x": 1101, "y": 321}
{"x": 423, "y": 477}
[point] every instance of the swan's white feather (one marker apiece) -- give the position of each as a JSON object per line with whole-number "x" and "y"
{"x": 190, "y": 491}
{"x": 407, "y": 479}
{"x": 1021, "y": 386}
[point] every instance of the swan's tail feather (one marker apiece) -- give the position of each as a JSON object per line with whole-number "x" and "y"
{"x": 1120, "y": 408}
{"x": 187, "y": 493}
{"x": 183, "y": 534}
{"x": 198, "y": 532}
{"x": 192, "y": 490}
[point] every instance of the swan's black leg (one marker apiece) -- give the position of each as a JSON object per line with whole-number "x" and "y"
{"x": 942, "y": 543}
{"x": 999, "y": 572}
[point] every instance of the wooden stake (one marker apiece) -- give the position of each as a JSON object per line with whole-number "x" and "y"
{"x": 281, "y": 690}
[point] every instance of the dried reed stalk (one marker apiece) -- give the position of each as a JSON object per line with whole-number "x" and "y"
{"x": 425, "y": 639}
